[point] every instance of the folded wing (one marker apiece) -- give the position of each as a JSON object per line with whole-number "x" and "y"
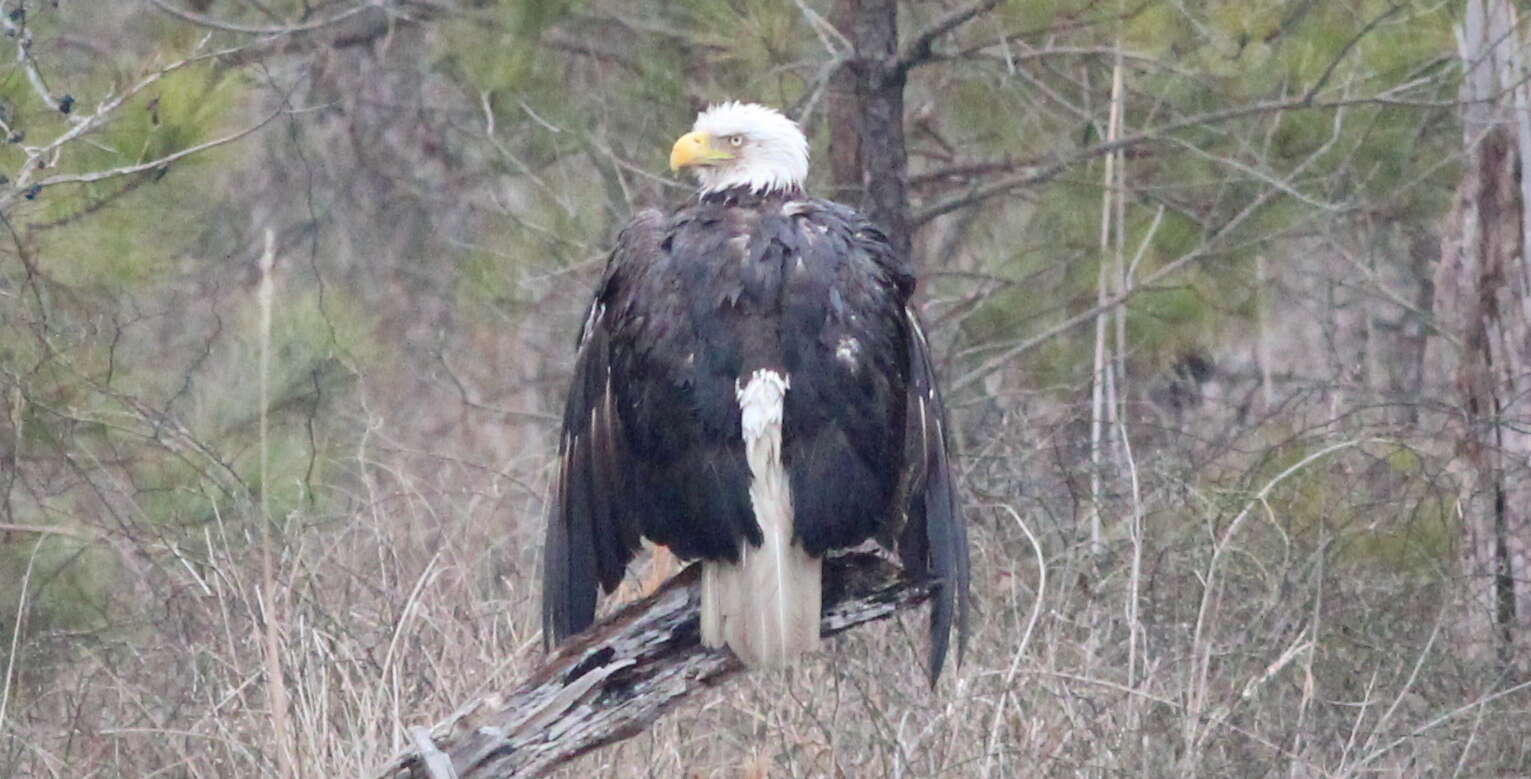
{"x": 591, "y": 531}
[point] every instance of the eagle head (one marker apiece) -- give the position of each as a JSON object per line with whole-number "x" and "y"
{"x": 743, "y": 145}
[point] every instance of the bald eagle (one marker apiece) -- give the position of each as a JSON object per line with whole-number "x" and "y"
{"x": 752, "y": 389}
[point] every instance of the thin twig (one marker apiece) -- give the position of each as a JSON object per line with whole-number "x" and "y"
{"x": 128, "y": 170}
{"x": 1334, "y": 63}
{"x": 1043, "y": 173}
{"x": 287, "y": 29}
{"x": 50, "y": 530}
{"x": 21, "y": 613}
{"x": 918, "y": 50}
{"x": 23, "y": 38}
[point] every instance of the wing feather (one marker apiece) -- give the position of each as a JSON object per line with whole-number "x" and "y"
{"x": 591, "y": 536}
{"x": 931, "y": 535}
{"x": 934, "y": 537}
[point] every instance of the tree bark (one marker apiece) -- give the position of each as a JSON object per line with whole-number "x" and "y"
{"x": 868, "y": 156}
{"x": 617, "y": 678}
{"x": 869, "y": 164}
{"x": 1483, "y": 299}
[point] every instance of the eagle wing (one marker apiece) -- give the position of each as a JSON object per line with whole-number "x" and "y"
{"x": 928, "y": 528}
{"x": 591, "y": 532}
{"x": 934, "y": 537}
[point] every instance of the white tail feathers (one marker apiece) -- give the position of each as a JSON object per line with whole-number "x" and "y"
{"x": 743, "y": 606}
{"x": 766, "y": 606}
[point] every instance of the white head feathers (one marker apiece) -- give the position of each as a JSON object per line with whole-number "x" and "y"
{"x": 769, "y": 151}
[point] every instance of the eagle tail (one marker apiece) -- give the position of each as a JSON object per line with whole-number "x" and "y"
{"x": 765, "y": 606}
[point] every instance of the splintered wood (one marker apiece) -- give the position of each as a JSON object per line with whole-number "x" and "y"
{"x": 618, "y": 677}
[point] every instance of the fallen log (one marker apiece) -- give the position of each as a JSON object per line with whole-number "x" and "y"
{"x": 615, "y": 679}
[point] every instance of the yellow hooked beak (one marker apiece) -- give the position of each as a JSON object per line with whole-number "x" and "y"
{"x": 696, "y": 149}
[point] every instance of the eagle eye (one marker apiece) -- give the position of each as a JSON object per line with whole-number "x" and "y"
{"x": 736, "y": 140}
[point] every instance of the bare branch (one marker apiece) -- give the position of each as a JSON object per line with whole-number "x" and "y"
{"x": 48, "y": 530}
{"x": 39, "y": 157}
{"x": 128, "y": 170}
{"x": 964, "y": 171}
{"x": 588, "y": 47}
{"x": 24, "y": 57}
{"x": 1051, "y": 31}
{"x": 1323, "y": 79}
{"x": 1206, "y": 248}
{"x": 287, "y": 29}
{"x": 918, "y": 50}
{"x": 1039, "y": 174}
{"x": 616, "y": 679}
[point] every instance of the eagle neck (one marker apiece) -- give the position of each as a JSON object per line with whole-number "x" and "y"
{"x": 745, "y": 196}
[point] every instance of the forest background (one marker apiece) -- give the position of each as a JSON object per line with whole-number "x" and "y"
{"x": 1228, "y": 296}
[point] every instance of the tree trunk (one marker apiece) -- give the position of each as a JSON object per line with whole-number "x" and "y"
{"x": 1483, "y": 299}
{"x": 869, "y": 164}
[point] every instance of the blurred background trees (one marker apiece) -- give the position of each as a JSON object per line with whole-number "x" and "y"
{"x": 288, "y": 290}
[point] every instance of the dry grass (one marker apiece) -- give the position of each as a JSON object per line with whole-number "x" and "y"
{"x": 1294, "y": 606}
